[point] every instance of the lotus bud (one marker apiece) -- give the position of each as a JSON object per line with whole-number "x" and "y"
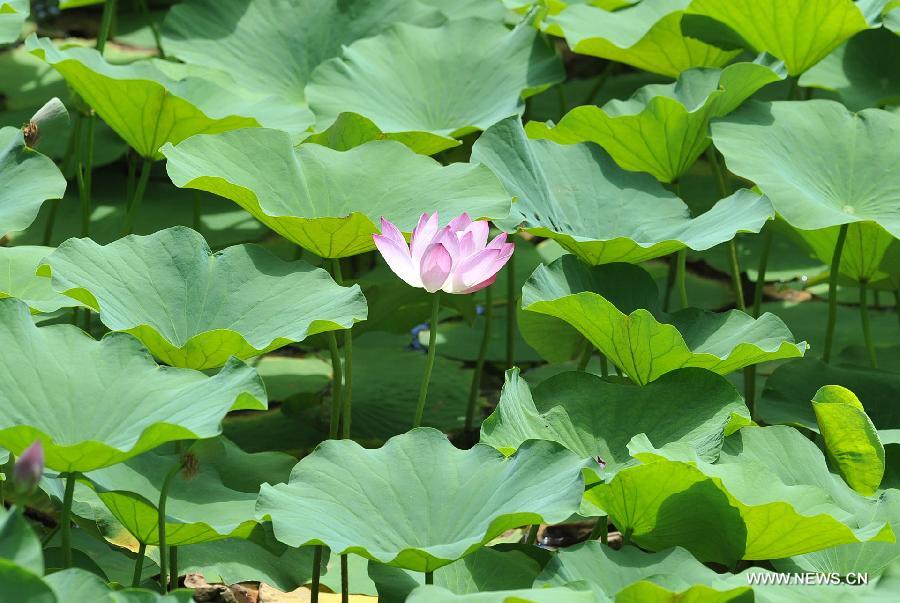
{"x": 29, "y": 468}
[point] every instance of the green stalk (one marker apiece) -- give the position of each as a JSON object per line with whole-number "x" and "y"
{"x": 109, "y": 9}
{"x": 533, "y": 534}
{"x": 173, "y": 568}
{"x": 511, "y": 311}
{"x": 429, "y": 577}
{"x": 601, "y": 530}
{"x": 345, "y": 580}
{"x": 348, "y": 361}
{"x": 335, "y": 386}
{"x": 65, "y": 520}
{"x": 761, "y": 272}
{"x": 71, "y": 152}
{"x": 670, "y": 283}
{"x": 479, "y": 363}
{"x": 832, "y": 292}
{"x": 196, "y": 214}
{"x": 585, "y": 355}
{"x": 139, "y": 566}
{"x": 316, "y": 574}
{"x": 161, "y": 526}
{"x": 864, "y": 315}
{"x": 86, "y": 177}
{"x": 135, "y": 203}
{"x": 681, "y": 277}
{"x": 157, "y": 39}
{"x": 604, "y": 366}
{"x": 604, "y": 75}
{"x": 626, "y": 536}
{"x": 429, "y": 363}
{"x": 713, "y": 160}
{"x": 897, "y": 303}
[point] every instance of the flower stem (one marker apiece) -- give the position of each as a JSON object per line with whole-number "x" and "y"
{"x": 429, "y": 363}
{"x": 532, "y": 534}
{"x": 154, "y": 28}
{"x": 586, "y": 353}
{"x": 601, "y": 530}
{"x": 347, "y": 394}
{"x": 335, "y": 386}
{"x": 604, "y": 366}
{"x": 135, "y": 204}
{"x": 761, "y": 272}
{"x": 139, "y": 565}
{"x": 479, "y": 363}
{"x": 680, "y": 277}
{"x": 65, "y": 520}
{"x": 316, "y": 574}
{"x": 161, "y": 526}
{"x": 713, "y": 159}
{"x": 832, "y": 292}
{"x": 864, "y": 315}
{"x": 173, "y": 568}
{"x": 345, "y": 580}
{"x": 85, "y": 173}
{"x": 429, "y": 577}
{"x": 109, "y": 9}
{"x": 511, "y": 311}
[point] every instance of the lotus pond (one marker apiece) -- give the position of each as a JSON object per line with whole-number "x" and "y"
{"x": 449, "y": 301}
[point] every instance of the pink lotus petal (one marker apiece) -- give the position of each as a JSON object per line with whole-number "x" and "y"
{"x": 480, "y": 285}
{"x": 436, "y": 266}
{"x": 29, "y": 467}
{"x": 397, "y": 258}
{"x": 498, "y": 242}
{"x": 422, "y": 236}
{"x": 447, "y": 237}
{"x": 480, "y": 231}
{"x": 459, "y": 223}
{"x": 476, "y": 268}
{"x": 504, "y": 256}
{"x": 467, "y": 245}
{"x": 392, "y": 232}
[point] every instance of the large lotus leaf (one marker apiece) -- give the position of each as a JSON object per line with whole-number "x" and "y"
{"x": 851, "y": 440}
{"x": 464, "y": 9}
{"x": 438, "y": 594}
{"x": 27, "y": 179}
{"x": 98, "y": 403}
{"x": 647, "y": 36}
{"x": 274, "y": 45}
{"x": 212, "y": 498}
{"x": 149, "y": 103}
{"x": 769, "y": 496}
{"x": 790, "y": 388}
{"x": 76, "y": 585}
{"x": 479, "y": 70}
{"x": 329, "y": 201}
{"x": 504, "y": 567}
{"x": 860, "y": 71}
{"x": 196, "y": 309}
{"x": 578, "y": 196}
{"x": 865, "y": 247}
{"x": 799, "y": 32}
{"x": 418, "y": 502}
{"x": 12, "y": 16}
{"x": 615, "y": 307}
{"x": 663, "y": 128}
{"x": 19, "y": 584}
{"x": 18, "y": 542}
{"x": 844, "y": 172}
{"x": 596, "y": 419}
{"x": 609, "y": 571}
{"x": 18, "y": 279}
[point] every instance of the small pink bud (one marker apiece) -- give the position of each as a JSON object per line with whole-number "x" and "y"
{"x": 29, "y": 468}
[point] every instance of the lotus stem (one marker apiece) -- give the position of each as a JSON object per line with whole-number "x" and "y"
{"x": 601, "y": 530}
{"x": 157, "y": 39}
{"x": 626, "y": 535}
{"x": 195, "y": 218}
{"x": 173, "y": 568}
{"x": 864, "y": 315}
{"x": 712, "y": 157}
{"x": 601, "y": 79}
{"x": 139, "y": 565}
{"x": 511, "y": 311}
{"x": 429, "y": 577}
{"x": 335, "y": 386}
{"x": 586, "y": 352}
{"x": 761, "y": 272}
{"x": 109, "y": 9}
{"x": 161, "y": 525}
{"x": 681, "y": 277}
{"x": 345, "y": 580}
{"x": 65, "y": 520}
{"x": 429, "y": 363}
{"x": 139, "y": 190}
{"x": 85, "y": 176}
{"x": 897, "y": 303}
{"x": 65, "y": 166}
{"x": 670, "y": 283}
{"x": 532, "y": 534}
{"x": 316, "y": 574}
{"x": 604, "y": 366}
{"x": 51, "y": 222}
{"x": 832, "y": 292}
{"x": 479, "y": 363}
{"x": 348, "y": 361}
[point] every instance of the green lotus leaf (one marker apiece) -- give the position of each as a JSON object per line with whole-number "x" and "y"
{"x": 149, "y": 103}
{"x": 504, "y": 567}
{"x": 891, "y": 18}
{"x": 859, "y": 71}
{"x": 97, "y": 403}
{"x": 480, "y": 71}
{"x": 140, "y": 595}
{"x": 27, "y": 179}
{"x": 865, "y": 248}
{"x": 19, "y": 584}
{"x": 359, "y": 501}
{"x": 465, "y": 9}
{"x": 788, "y": 391}
{"x": 76, "y": 585}
{"x": 18, "y": 279}
{"x": 851, "y": 440}
{"x": 596, "y": 419}
{"x": 772, "y": 26}
{"x": 663, "y": 128}
{"x": 18, "y": 542}
{"x": 843, "y": 173}
{"x": 617, "y": 575}
{"x": 615, "y": 307}
{"x": 352, "y": 129}
{"x": 647, "y": 36}
{"x": 437, "y": 594}
{"x": 745, "y": 506}
{"x": 329, "y": 201}
{"x": 275, "y": 45}
{"x": 196, "y": 309}
{"x": 12, "y": 16}
{"x": 215, "y": 500}
{"x": 578, "y": 196}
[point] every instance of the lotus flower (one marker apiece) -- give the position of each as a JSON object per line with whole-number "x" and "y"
{"x": 453, "y": 259}
{"x": 29, "y": 468}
